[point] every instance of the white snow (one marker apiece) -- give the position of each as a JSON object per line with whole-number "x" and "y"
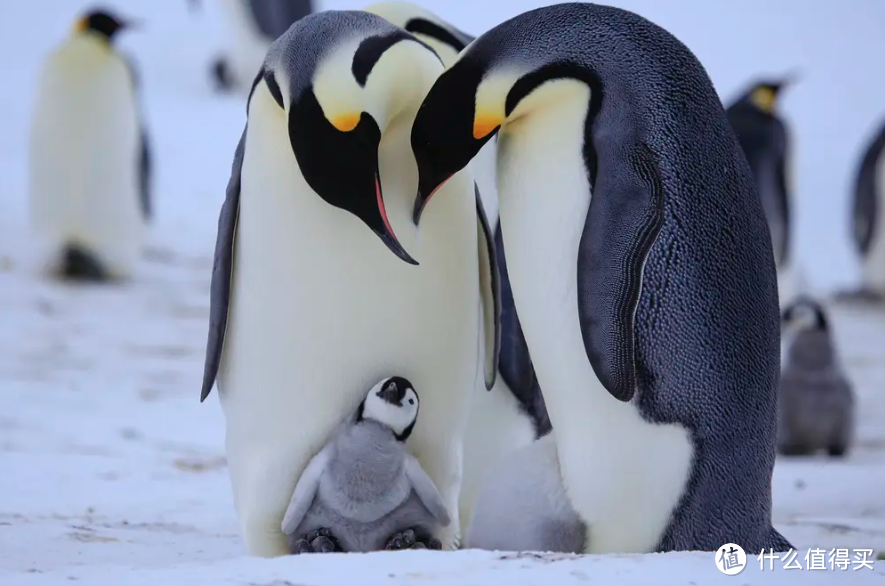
{"x": 111, "y": 471}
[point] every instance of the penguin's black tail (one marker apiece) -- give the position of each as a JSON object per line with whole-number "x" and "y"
{"x": 81, "y": 265}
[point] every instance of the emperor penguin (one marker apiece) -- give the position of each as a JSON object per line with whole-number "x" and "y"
{"x": 621, "y": 190}
{"x": 816, "y": 403}
{"x": 363, "y": 486}
{"x": 89, "y": 157}
{"x": 765, "y": 141}
{"x": 252, "y": 25}
{"x": 513, "y": 414}
{"x": 317, "y": 289}
{"x": 868, "y": 220}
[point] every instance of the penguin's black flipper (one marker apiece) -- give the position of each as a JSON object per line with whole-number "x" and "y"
{"x": 782, "y": 253}
{"x": 145, "y": 161}
{"x": 222, "y": 271}
{"x": 625, "y": 216}
{"x": 515, "y": 364}
{"x": 866, "y": 202}
{"x": 490, "y": 287}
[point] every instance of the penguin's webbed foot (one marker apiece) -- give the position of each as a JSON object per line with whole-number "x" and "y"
{"x": 320, "y": 541}
{"x": 409, "y": 540}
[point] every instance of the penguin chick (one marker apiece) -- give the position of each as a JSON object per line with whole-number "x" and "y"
{"x": 816, "y": 402}
{"x": 523, "y": 505}
{"x": 363, "y": 492}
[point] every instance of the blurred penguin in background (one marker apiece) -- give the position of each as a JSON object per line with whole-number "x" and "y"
{"x": 868, "y": 221}
{"x": 89, "y": 157}
{"x": 252, "y": 25}
{"x": 764, "y": 138}
{"x": 816, "y": 402}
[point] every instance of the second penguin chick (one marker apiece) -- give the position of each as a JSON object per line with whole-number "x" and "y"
{"x": 816, "y": 402}
{"x": 362, "y": 492}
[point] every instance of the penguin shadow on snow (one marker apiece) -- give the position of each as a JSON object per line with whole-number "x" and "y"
{"x": 363, "y": 492}
{"x": 90, "y": 160}
{"x": 816, "y": 403}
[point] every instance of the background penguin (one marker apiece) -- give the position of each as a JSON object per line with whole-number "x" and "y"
{"x": 655, "y": 452}
{"x": 90, "y": 161}
{"x": 816, "y": 401}
{"x": 868, "y": 221}
{"x": 764, "y": 138}
{"x": 252, "y": 26}
{"x": 322, "y": 294}
{"x": 363, "y": 487}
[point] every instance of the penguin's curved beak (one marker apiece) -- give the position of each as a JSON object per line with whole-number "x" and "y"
{"x": 422, "y": 197}
{"x": 387, "y": 235}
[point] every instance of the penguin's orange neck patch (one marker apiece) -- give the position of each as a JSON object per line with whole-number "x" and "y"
{"x": 485, "y": 123}
{"x": 346, "y": 122}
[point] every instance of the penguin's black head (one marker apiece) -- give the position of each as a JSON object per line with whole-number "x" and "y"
{"x": 805, "y": 313}
{"x": 392, "y": 402}
{"x": 765, "y": 93}
{"x": 344, "y": 78}
{"x": 102, "y": 22}
{"x": 449, "y": 130}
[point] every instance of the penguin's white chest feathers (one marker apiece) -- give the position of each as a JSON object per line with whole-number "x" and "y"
{"x": 624, "y": 475}
{"x": 84, "y": 154}
{"x": 321, "y": 309}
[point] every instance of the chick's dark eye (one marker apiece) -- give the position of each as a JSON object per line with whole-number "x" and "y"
{"x": 411, "y": 401}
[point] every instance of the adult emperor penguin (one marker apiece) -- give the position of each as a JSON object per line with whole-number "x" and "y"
{"x": 89, "y": 157}
{"x": 658, "y": 360}
{"x": 868, "y": 220}
{"x": 314, "y": 295}
{"x": 252, "y": 26}
{"x": 513, "y": 414}
{"x": 764, "y": 138}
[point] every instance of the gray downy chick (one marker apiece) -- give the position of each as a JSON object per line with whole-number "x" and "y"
{"x": 816, "y": 401}
{"x": 363, "y": 492}
{"x": 523, "y": 505}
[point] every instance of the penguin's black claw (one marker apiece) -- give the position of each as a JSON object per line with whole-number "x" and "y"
{"x": 322, "y": 540}
{"x": 302, "y": 546}
{"x": 409, "y": 540}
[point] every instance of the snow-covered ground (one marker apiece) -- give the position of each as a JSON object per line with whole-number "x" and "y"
{"x": 111, "y": 471}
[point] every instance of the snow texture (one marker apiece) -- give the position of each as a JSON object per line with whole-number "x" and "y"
{"x": 112, "y": 472}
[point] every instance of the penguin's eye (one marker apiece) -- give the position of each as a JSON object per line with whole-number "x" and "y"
{"x": 411, "y": 401}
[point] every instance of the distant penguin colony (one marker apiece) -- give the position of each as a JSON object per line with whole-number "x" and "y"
{"x": 868, "y": 219}
{"x": 90, "y": 160}
{"x": 765, "y": 141}
{"x": 364, "y": 487}
{"x": 654, "y": 454}
{"x": 321, "y": 282}
{"x": 816, "y": 401}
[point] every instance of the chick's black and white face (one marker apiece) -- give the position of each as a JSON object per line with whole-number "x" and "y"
{"x": 394, "y": 403}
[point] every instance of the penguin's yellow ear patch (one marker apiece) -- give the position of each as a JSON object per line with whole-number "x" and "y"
{"x": 82, "y": 25}
{"x": 484, "y": 123}
{"x": 764, "y": 98}
{"x": 346, "y": 122}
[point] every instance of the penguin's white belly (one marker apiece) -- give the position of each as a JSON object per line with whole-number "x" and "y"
{"x": 497, "y": 427}
{"x": 84, "y": 158}
{"x": 623, "y": 474}
{"x": 321, "y": 310}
